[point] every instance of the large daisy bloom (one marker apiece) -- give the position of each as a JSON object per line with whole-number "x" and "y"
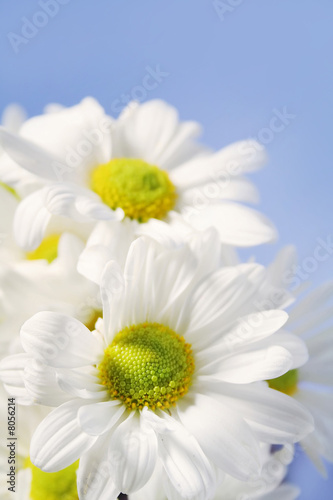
{"x": 310, "y": 384}
{"x": 160, "y": 382}
{"x": 83, "y": 165}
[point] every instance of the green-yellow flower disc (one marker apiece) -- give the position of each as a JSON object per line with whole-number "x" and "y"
{"x": 147, "y": 365}
{"x": 287, "y": 383}
{"x": 142, "y": 190}
{"x": 48, "y": 249}
{"x": 53, "y": 485}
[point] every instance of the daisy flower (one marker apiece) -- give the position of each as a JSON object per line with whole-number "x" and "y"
{"x": 310, "y": 316}
{"x": 311, "y": 384}
{"x": 160, "y": 383}
{"x": 83, "y": 165}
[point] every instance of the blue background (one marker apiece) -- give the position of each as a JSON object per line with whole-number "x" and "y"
{"x": 228, "y": 71}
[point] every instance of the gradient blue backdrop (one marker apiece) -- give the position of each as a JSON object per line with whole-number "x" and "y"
{"x": 228, "y": 71}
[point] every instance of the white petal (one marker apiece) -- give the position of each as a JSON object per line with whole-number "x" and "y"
{"x": 41, "y": 383}
{"x": 247, "y": 330}
{"x": 236, "y": 225}
{"x": 58, "y": 440}
{"x": 320, "y": 405}
{"x": 81, "y": 383}
{"x": 80, "y": 135}
{"x": 218, "y": 301}
{"x": 225, "y": 438}
{"x": 100, "y": 417}
{"x": 151, "y": 131}
{"x": 246, "y": 367}
{"x": 285, "y": 491}
{"x": 312, "y": 312}
{"x": 92, "y": 262}
{"x": 62, "y": 199}
{"x": 238, "y": 189}
{"x": 59, "y": 340}
{"x": 12, "y": 375}
{"x": 185, "y": 463}
{"x": 273, "y": 416}
{"x": 28, "y": 155}
{"x": 94, "y": 481}
{"x": 293, "y": 344}
{"x": 31, "y": 220}
{"x": 153, "y": 488}
{"x": 221, "y": 167}
{"x": 132, "y": 453}
{"x": 112, "y": 292}
{"x": 13, "y": 117}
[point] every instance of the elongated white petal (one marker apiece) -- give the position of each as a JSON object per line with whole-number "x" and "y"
{"x": 12, "y": 375}
{"x": 153, "y": 488}
{"x": 59, "y": 441}
{"x": 247, "y": 330}
{"x": 186, "y": 465}
{"x": 28, "y": 155}
{"x": 225, "y": 438}
{"x": 100, "y": 417}
{"x": 293, "y": 344}
{"x": 285, "y": 491}
{"x": 94, "y": 480}
{"x": 273, "y": 416}
{"x": 251, "y": 366}
{"x": 79, "y": 135}
{"x": 151, "y": 131}
{"x": 237, "y": 189}
{"x": 41, "y": 383}
{"x": 320, "y": 405}
{"x": 221, "y": 167}
{"x": 133, "y": 454}
{"x": 59, "y": 340}
{"x": 13, "y": 117}
{"x": 218, "y": 301}
{"x": 236, "y": 225}
{"x": 31, "y": 220}
{"x": 62, "y": 199}
{"x": 81, "y": 383}
{"x": 112, "y": 293}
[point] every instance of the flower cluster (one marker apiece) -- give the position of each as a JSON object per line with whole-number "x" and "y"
{"x": 145, "y": 357}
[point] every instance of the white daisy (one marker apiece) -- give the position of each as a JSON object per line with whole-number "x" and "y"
{"x": 161, "y": 383}
{"x": 311, "y": 384}
{"x": 142, "y": 165}
{"x": 310, "y": 319}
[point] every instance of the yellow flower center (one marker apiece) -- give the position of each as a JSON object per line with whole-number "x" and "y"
{"x": 142, "y": 190}
{"x": 147, "y": 365}
{"x": 287, "y": 383}
{"x": 53, "y": 485}
{"x": 48, "y": 249}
